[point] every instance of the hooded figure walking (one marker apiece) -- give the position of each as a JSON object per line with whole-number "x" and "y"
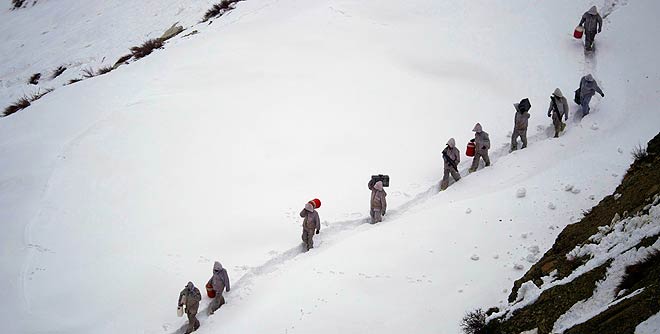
{"x": 311, "y": 223}
{"x": 482, "y": 145}
{"x": 588, "y": 88}
{"x": 593, "y": 24}
{"x": 378, "y": 204}
{"x": 219, "y": 282}
{"x": 558, "y": 109}
{"x": 520, "y": 121}
{"x": 452, "y": 156}
{"x": 190, "y": 297}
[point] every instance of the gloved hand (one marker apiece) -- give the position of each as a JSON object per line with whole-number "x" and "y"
{"x": 599, "y": 30}
{"x": 603, "y": 94}
{"x": 317, "y": 231}
{"x": 565, "y": 118}
{"x": 483, "y": 148}
{"x": 382, "y": 213}
{"x": 549, "y": 115}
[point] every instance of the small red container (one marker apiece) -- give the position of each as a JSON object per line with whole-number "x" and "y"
{"x": 316, "y": 203}
{"x": 579, "y": 31}
{"x": 209, "y": 290}
{"x": 470, "y": 149}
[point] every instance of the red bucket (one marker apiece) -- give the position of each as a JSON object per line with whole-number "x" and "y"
{"x": 316, "y": 203}
{"x": 470, "y": 149}
{"x": 579, "y": 31}
{"x": 209, "y": 290}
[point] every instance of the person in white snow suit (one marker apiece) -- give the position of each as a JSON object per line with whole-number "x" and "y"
{"x": 558, "y": 109}
{"x": 482, "y": 145}
{"x": 219, "y": 282}
{"x": 378, "y": 203}
{"x": 451, "y": 156}
{"x": 588, "y": 88}
{"x": 189, "y": 298}
{"x": 520, "y": 121}
{"x": 311, "y": 224}
{"x": 593, "y": 24}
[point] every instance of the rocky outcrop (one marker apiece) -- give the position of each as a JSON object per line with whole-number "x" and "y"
{"x": 602, "y": 275}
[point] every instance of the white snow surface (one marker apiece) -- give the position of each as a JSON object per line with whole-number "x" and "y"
{"x": 118, "y": 190}
{"x": 649, "y": 326}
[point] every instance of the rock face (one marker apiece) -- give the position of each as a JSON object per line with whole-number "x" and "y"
{"x": 171, "y": 32}
{"x": 638, "y": 294}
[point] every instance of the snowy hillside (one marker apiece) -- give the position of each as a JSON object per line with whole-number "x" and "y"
{"x": 118, "y": 190}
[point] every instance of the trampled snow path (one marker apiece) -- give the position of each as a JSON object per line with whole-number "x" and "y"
{"x": 334, "y": 231}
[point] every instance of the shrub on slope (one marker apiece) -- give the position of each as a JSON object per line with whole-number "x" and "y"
{"x": 146, "y": 48}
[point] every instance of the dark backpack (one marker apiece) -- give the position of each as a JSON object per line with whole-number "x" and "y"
{"x": 577, "y": 98}
{"x": 524, "y": 105}
{"x": 553, "y": 102}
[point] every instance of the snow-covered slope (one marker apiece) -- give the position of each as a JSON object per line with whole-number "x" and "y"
{"x": 78, "y": 35}
{"x": 118, "y": 190}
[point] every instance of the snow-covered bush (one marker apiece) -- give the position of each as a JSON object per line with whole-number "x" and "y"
{"x": 88, "y": 73}
{"x": 146, "y": 48}
{"x": 17, "y": 3}
{"x": 58, "y": 71}
{"x": 34, "y": 79}
{"x": 219, "y": 9}
{"x": 104, "y": 70}
{"x": 21, "y": 104}
{"x": 72, "y": 81}
{"x": 25, "y": 102}
{"x": 639, "y": 152}
{"x": 474, "y": 322}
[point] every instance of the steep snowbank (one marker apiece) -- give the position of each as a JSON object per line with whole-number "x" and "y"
{"x": 118, "y": 190}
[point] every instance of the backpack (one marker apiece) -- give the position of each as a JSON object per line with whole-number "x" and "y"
{"x": 577, "y": 98}
{"x": 553, "y": 102}
{"x": 524, "y": 105}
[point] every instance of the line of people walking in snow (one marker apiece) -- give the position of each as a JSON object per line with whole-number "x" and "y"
{"x": 478, "y": 148}
{"x": 190, "y": 296}
{"x": 480, "y": 144}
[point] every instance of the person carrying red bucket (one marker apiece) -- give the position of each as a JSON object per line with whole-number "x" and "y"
{"x": 590, "y": 24}
{"x": 482, "y": 145}
{"x": 215, "y": 286}
{"x": 311, "y": 223}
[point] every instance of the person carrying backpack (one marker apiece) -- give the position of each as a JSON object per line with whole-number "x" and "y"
{"x": 520, "y": 121}
{"x": 482, "y": 143}
{"x": 378, "y": 204}
{"x": 219, "y": 282}
{"x": 558, "y": 109}
{"x": 311, "y": 223}
{"x": 593, "y": 24}
{"x": 190, "y": 297}
{"x": 451, "y": 156}
{"x": 588, "y": 88}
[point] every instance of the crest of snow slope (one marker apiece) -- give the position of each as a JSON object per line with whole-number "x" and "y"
{"x": 78, "y": 35}
{"x": 136, "y": 181}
